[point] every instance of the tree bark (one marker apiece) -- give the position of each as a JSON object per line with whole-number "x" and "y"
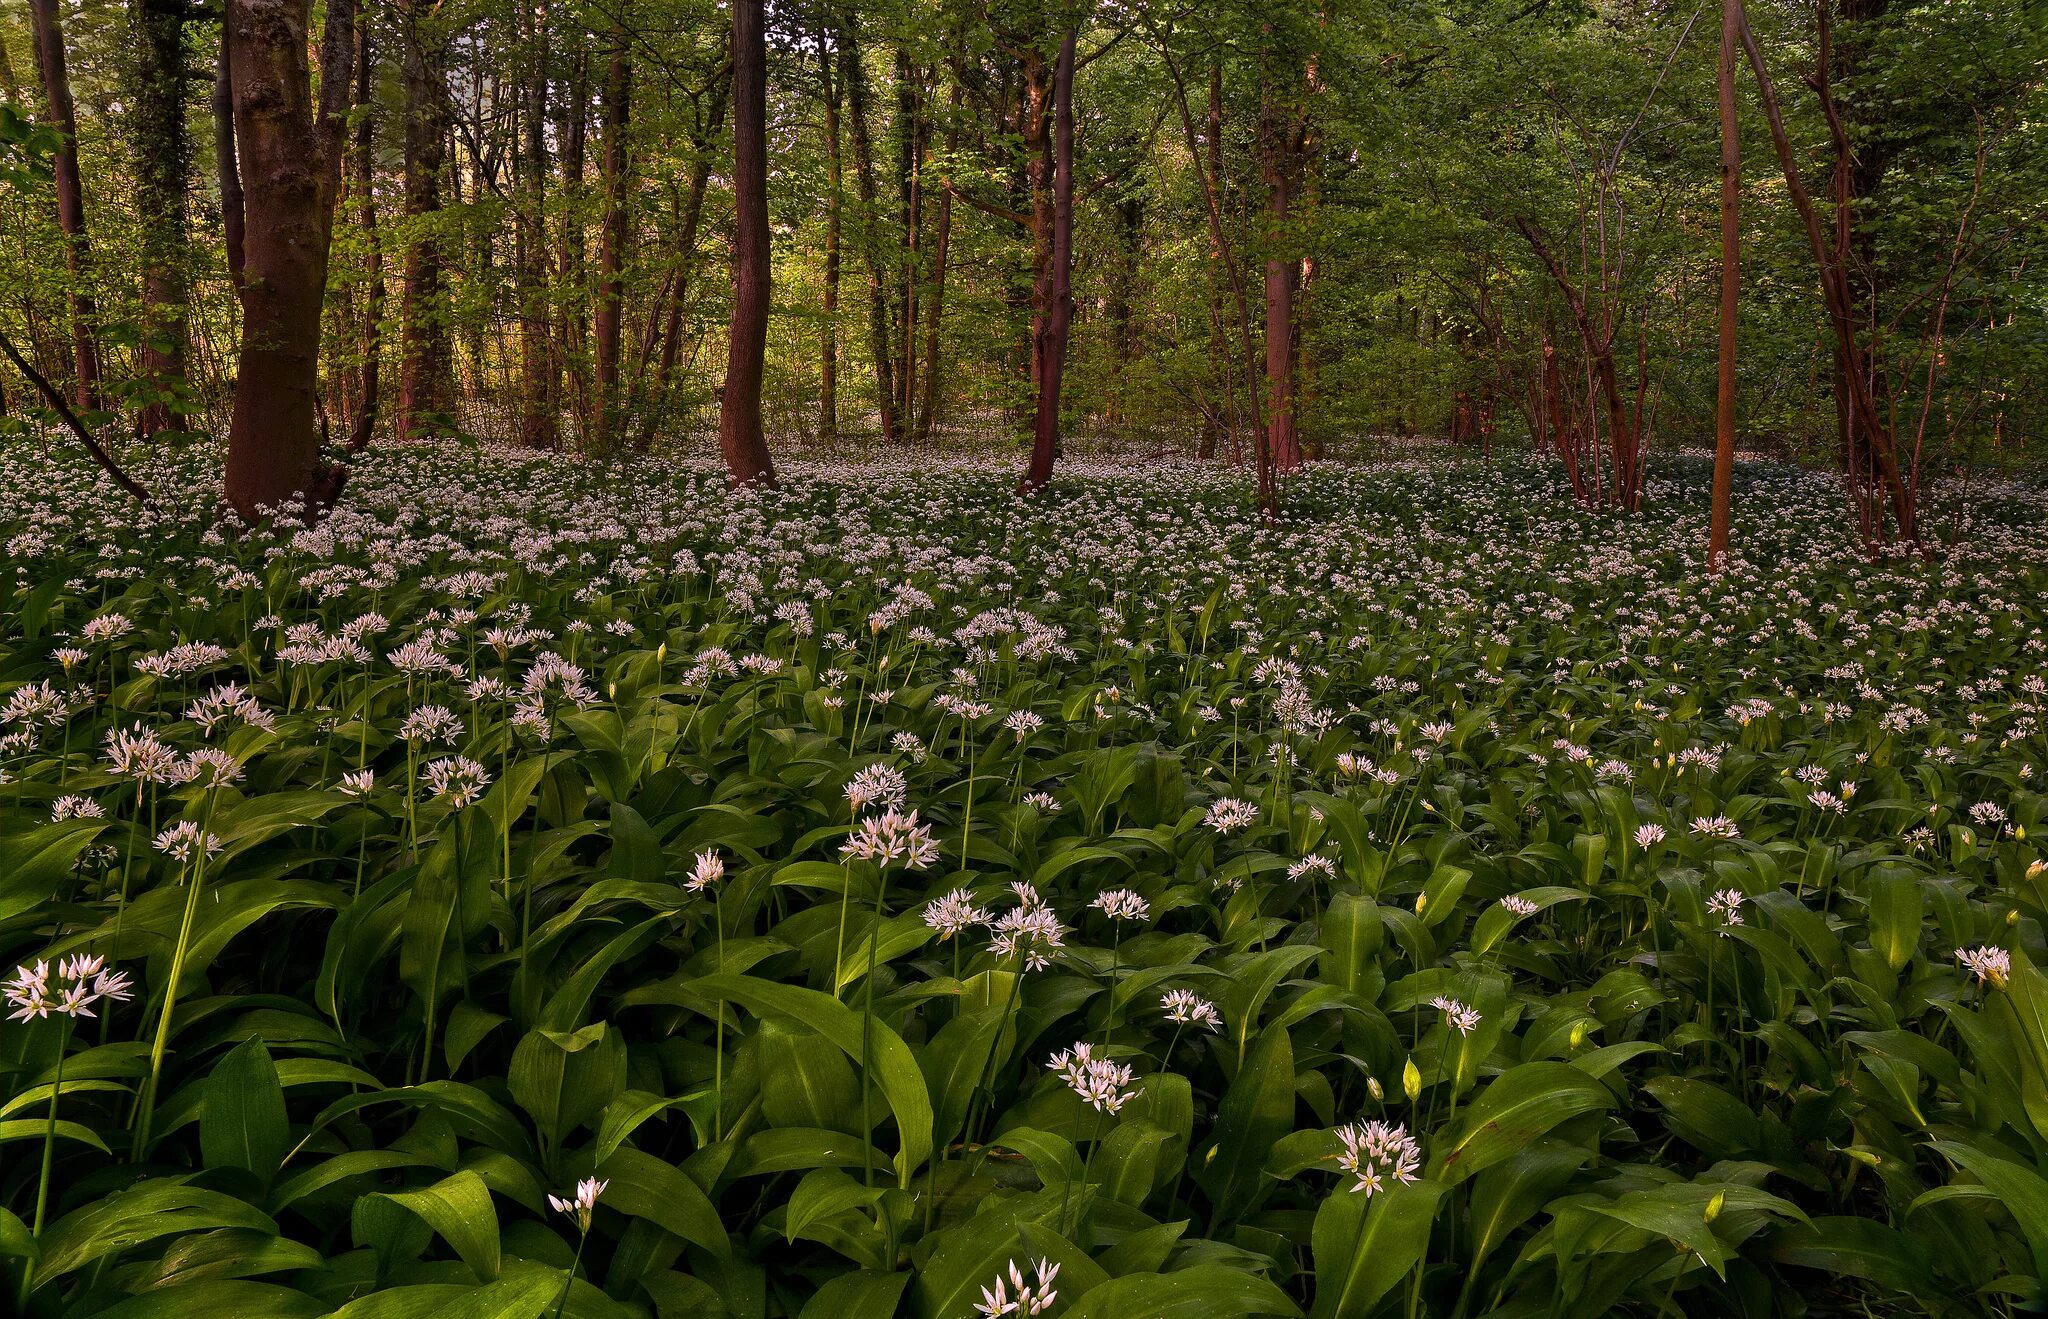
{"x": 705, "y": 144}
{"x": 163, "y": 155}
{"x": 611, "y": 249}
{"x": 233, "y": 216}
{"x": 835, "y": 178}
{"x": 942, "y": 239}
{"x": 853, "y": 77}
{"x": 538, "y": 428}
{"x": 363, "y": 423}
{"x": 1731, "y": 290}
{"x": 62, "y": 117}
{"x": 291, "y": 152}
{"x": 1054, "y": 312}
{"x": 426, "y": 382}
{"x": 739, "y": 414}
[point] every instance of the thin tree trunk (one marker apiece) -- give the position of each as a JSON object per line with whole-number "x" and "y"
{"x": 293, "y": 149}
{"x": 835, "y": 172}
{"x": 611, "y": 248}
{"x": 739, "y": 414}
{"x": 854, "y": 79}
{"x": 363, "y": 424}
{"x": 1054, "y": 314}
{"x": 426, "y": 384}
{"x": 942, "y": 238}
{"x": 163, "y": 155}
{"x": 63, "y": 118}
{"x": 573, "y": 131}
{"x": 686, "y": 247}
{"x": 233, "y": 219}
{"x": 1731, "y": 290}
{"x": 538, "y": 428}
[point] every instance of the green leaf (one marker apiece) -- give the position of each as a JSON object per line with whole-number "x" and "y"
{"x": 218, "y": 1298}
{"x": 862, "y": 1295}
{"x": 1521, "y": 1104}
{"x": 1256, "y": 1111}
{"x": 244, "y": 1125}
{"x": 1366, "y": 1244}
{"x": 895, "y": 1067}
{"x": 157, "y": 1208}
{"x": 459, "y": 1208}
{"x": 640, "y": 1184}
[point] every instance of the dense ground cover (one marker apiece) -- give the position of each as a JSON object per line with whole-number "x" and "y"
{"x": 899, "y": 898}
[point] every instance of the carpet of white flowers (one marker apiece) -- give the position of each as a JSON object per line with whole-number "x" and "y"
{"x": 546, "y": 889}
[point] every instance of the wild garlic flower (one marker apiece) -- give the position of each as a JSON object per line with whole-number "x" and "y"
{"x": 1186, "y": 1008}
{"x": 1122, "y": 904}
{"x": 182, "y": 841}
{"x": 82, "y": 980}
{"x": 1518, "y": 905}
{"x": 877, "y": 785}
{"x": 1033, "y": 933}
{"x": 1033, "y": 1297}
{"x": 1727, "y": 905}
{"x": 1227, "y": 815}
{"x": 1458, "y": 1016}
{"x": 1043, "y": 802}
{"x": 1989, "y": 964}
{"x": 1649, "y": 835}
{"x": 580, "y": 1205}
{"x": 74, "y": 807}
{"x": 1103, "y": 1085}
{"x": 1715, "y": 826}
{"x": 954, "y": 913}
{"x": 359, "y": 782}
{"x": 892, "y": 837}
{"x": 706, "y": 871}
{"x": 1377, "y": 1153}
{"x": 1023, "y": 723}
{"x": 458, "y": 778}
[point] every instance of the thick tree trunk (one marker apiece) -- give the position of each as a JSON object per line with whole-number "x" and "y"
{"x": 611, "y": 250}
{"x": 538, "y": 428}
{"x": 1054, "y": 313}
{"x": 739, "y": 413}
{"x": 290, "y": 153}
{"x": 426, "y": 381}
{"x": 854, "y": 79}
{"x": 1279, "y": 149}
{"x": 163, "y": 155}
{"x": 62, "y": 117}
{"x": 363, "y": 422}
{"x": 1731, "y": 290}
{"x": 835, "y": 181}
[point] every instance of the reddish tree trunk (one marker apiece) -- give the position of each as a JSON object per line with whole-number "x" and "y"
{"x": 1731, "y": 275}
{"x": 62, "y": 117}
{"x": 290, "y": 154}
{"x": 1053, "y": 235}
{"x": 739, "y": 413}
{"x": 426, "y": 380}
{"x": 233, "y": 219}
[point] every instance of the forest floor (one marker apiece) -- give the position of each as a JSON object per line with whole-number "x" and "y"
{"x": 887, "y": 895}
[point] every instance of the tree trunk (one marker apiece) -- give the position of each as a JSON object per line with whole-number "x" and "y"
{"x": 572, "y": 130}
{"x": 426, "y": 384}
{"x": 291, "y": 149}
{"x": 611, "y": 249}
{"x": 1279, "y": 147}
{"x": 705, "y": 145}
{"x": 233, "y": 219}
{"x": 854, "y": 79}
{"x": 538, "y": 428}
{"x": 942, "y": 238}
{"x": 1731, "y": 290}
{"x": 1054, "y": 310}
{"x": 835, "y": 179}
{"x": 63, "y": 118}
{"x": 363, "y": 423}
{"x": 163, "y": 155}
{"x": 739, "y": 412}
